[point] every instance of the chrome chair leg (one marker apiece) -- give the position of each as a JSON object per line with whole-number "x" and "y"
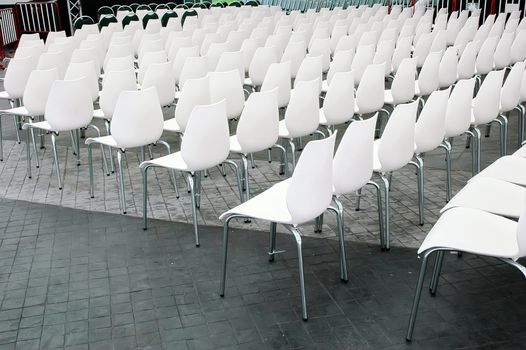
{"x": 246, "y": 176}
{"x": 387, "y": 226}
{"x": 144, "y": 172}
{"x": 439, "y": 259}
{"x": 283, "y": 166}
{"x": 447, "y": 148}
{"x": 73, "y": 142}
{"x": 55, "y": 156}
{"x": 293, "y": 152}
{"x": 419, "y": 164}
{"x": 90, "y": 169}
{"x": 34, "y": 144}
{"x": 28, "y": 150}
{"x": 110, "y": 152}
{"x": 504, "y": 134}
{"x": 521, "y": 110}
{"x": 76, "y": 135}
{"x": 225, "y": 253}
{"x": 338, "y": 209}
{"x": 272, "y": 242}
{"x": 297, "y": 237}
{"x": 173, "y": 177}
{"x": 15, "y": 121}
{"x": 252, "y": 162}
{"x": 318, "y": 225}
{"x": 358, "y": 199}
{"x": 191, "y": 183}
{"x": 102, "y": 153}
{"x": 380, "y": 211}
{"x": 269, "y": 155}
{"x": 121, "y": 181}
{"x": 237, "y": 171}
{"x": 418, "y": 294}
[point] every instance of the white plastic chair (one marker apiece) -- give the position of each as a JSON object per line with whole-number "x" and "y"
{"x": 85, "y": 70}
{"x": 160, "y": 76}
{"x": 339, "y": 103}
{"x": 393, "y": 151}
{"x": 290, "y": 203}
{"x": 52, "y": 60}
{"x": 302, "y": 114}
{"x": 295, "y": 52}
{"x": 311, "y": 68}
{"x": 428, "y": 79}
{"x": 466, "y": 62}
{"x": 231, "y": 60}
{"x": 227, "y": 86}
{"x": 384, "y": 54}
{"x": 517, "y": 50}
{"x": 180, "y": 58}
{"x": 341, "y": 62}
{"x": 137, "y": 122}
{"x": 484, "y": 63}
{"x": 322, "y": 47}
{"x": 205, "y": 144}
{"x": 364, "y": 56}
{"x": 448, "y": 69}
{"x": 262, "y": 59}
{"x": 510, "y": 96}
{"x": 149, "y": 58}
{"x": 403, "y": 85}
{"x": 68, "y": 108}
{"x": 193, "y": 68}
{"x": 402, "y": 50}
{"x": 502, "y": 57}
{"x": 370, "y": 92}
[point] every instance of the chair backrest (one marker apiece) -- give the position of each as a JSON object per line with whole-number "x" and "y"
{"x": 278, "y": 77}
{"x": 258, "y": 126}
{"x": 311, "y": 68}
{"x": 231, "y": 60}
{"x": 119, "y": 63}
{"x": 69, "y": 105}
{"x": 484, "y": 62}
{"x": 518, "y": 47}
{"x": 17, "y": 74}
{"x": 502, "y": 57}
{"x": 428, "y": 79}
{"x": 180, "y": 58}
{"x": 397, "y": 144}
{"x": 53, "y": 60}
{"x": 402, "y": 50}
{"x": 511, "y": 93}
{"x": 177, "y": 43}
{"x": 370, "y": 92}
{"x": 87, "y": 55}
{"x": 431, "y": 125}
{"x": 37, "y": 90}
{"x": 523, "y": 88}
{"x": 341, "y": 62}
{"x": 384, "y": 54}
{"x": 118, "y": 51}
{"x": 115, "y": 81}
{"x": 227, "y": 86}
{"x": 206, "y": 142}
{"x": 466, "y": 63}
{"x": 403, "y": 86}
{"x": 302, "y": 114}
{"x": 195, "y": 93}
{"x": 521, "y": 234}
{"x": 262, "y": 59}
{"x": 486, "y": 105}
{"x": 311, "y": 186}
{"x": 160, "y": 76}
{"x": 458, "y": 114}
{"x": 439, "y": 42}
{"x": 148, "y": 59}
{"x": 346, "y": 42}
{"x": 84, "y": 70}
{"x": 353, "y": 161}
{"x": 447, "y": 73}
{"x": 338, "y": 106}
{"x": 322, "y": 46}
{"x": 193, "y": 68}
{"x": 364, "y": 56}
{"x": 422, "y": 48}
{"x": 294, "y": 52}
{"x": 137, "y": 119}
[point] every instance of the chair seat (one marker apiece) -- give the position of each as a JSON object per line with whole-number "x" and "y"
{"x": 417, "y": 88}
{"x": 98, "y": 113}
{"x": 234, "y": 145}
{"x": 323, "y": 119}
{"x": 325, "y": 86}
{"x": 521, "y": 152}
{"x": 507, "y": 168}
{"x": 44, "y": 125}
{"x": 283, "y": 131}
{"x": 172, "y": 161}
{"x": 270, "y": 205}
{"x": 178, "y": 94}
{"x": 21, "y": 111}
{"x": 171, "y": 125}
{"x": 105, "y": 140}
{"x": 248, "y": 82}
{"x": 4, "y": 95}
{"x": 474, "y": 231}
{"x": 377, "y": 166}
{"x": 490, "y": 195}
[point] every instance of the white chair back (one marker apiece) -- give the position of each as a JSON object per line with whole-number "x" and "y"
{"x": 37, "y": 90}
{"x": 458, "y": 113}
{"x": 431, "y": 125}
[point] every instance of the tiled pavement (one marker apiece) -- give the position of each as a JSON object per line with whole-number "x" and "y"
{"x": 76, "y": 279}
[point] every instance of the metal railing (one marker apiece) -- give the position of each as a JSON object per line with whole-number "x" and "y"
{"x": 39, "y": 17}
{"x": 8, "y": 31}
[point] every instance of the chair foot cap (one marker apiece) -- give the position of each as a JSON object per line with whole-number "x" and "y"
{"x": 357, "y": 209}
{"x": 60, "y": 188}
{"x": 19, "y": 142}
{"x": 145, "y": 229}
{"x": 305, "y": 319}
{"x": 344, "y": 280}
{"x": 197, "y": 245}
{"x": 221, "y": 295}
{"x": 407, "y": 340}
{"x": 38, "y": 166}
{"x": 92, "y": 197}
{"x": 124, "y": 212}
{"x": 282, "y": 173}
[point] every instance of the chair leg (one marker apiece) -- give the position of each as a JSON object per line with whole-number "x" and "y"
{"x": 246, "y": 176}
{"x": 475, "y": 149}
{"x": 252, "y": 162}
{"x": 2, "y": 142}
{"x": 90, "y": 167}
{"x": 191, "y": 183}
{"x": 416, "y": 301}
{"x": 197, "y": 188}
{"x": 520, "y": 109}
{"x": 237, "y": 171}
{"x": 318, "y": 226}
{"x": 269, "y": 155}
{"x": 73, "y": 143}
{"x": 387, "y": 225}
{"x": 439, "y": 259}
{"x": 172, "y": 172}
{"x": 34, "y": 145}
{"x": 28, "y": 151}
{"x": 144, "y": 172}
{"x": 488, "y": 130}
{"x": 225, "y": 252}
{"x": 108, "y": 132}
{"x": 121, "y": 181}
{"x": 77, "y": 138}
{"x": 447, "y": 148}
{"x": 102, "y": 154}
{"x": 504, "y": 135}
{"x": 358, "y": 199}
{"x": 380, "y": 211}
{"x": 283, "y": 166}
{"x": 297, "y": 237}
{"x": 15, "y": 121}
{"x": 293, "y": 152}
{"x": 55, "y": 156}
{"x": 272, "y": 242}
{"x": 419, "y": 164}
{"x": 344, "y": 275}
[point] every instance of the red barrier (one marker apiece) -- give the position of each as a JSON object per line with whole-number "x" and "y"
{"x": 38, "y": 17}
{"x": 9, "y": 32}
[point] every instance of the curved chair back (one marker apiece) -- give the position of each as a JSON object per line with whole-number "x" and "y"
{"x": 311, "y": 68}
{"x": 138, "y": 119}
{"x": 422, "y": 48}
{"x": 338, "y": 106}
{"x": 37, "y": 90}
{"x": 403, "y": 86}
{"x": 466, "y": 63}
{"x": 85, "y": 70}
{"x": 69, "y": 105}
{"x": 193, "y": 68}
{"x": 384, "y": 54}
{"x": 486, "y": 105}
{"x": 17, "y": 74}
{"x": 294, "y": 52}
{"x": 458, "y": 113}
{"x": 51, "y": 60}
{"x": 115, "y": 81}
{"x": 517, "y": 50}
{"x": 262, "y": 59}
{"x": 431, "y": 125}
{"x": 302, "y": 114}
{"x": 310, "y": 190}
{"x": 447, "y": 72}
{"x": 147, "y": 60}
{"x": 231, "y": 60}
{"x": 322, "y": 46}
{"x": 353, "y": 161}
{"x": 119, "y": 63}
{"x": 341, "y": 62}
{"x": 397, "y": 144}
{"x": 258, "y": 126}
{"x": 177, "y": 43}
{"x": 511, "y": 89}
{"x": 502, "y": 57}
{"x": 428, "y": 79}
{"x": 402, "y": 50}
{"x": 87, "y": 55}
{"x": 484, "y": 62}
{"x": 206, "y": 141}
{"x": 160, "y": 76}
{"x": 279, "y": 76}
{"x": 214, "y": 53}
{"x": 370, "y": 92}
{"x": 195, "y": 93}
{"x": 227, "y": 86}
{"x": 364, "y": 57}
{"x": 180, "y": 58}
